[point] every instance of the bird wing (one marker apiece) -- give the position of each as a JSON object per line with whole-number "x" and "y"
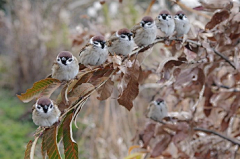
{"x": 55, "y": 68}
{"x": 113, "y": 38}
{"x": 33, "y": 108}
{"x": 135, "y": 28}
{"x": 84, "y": 48}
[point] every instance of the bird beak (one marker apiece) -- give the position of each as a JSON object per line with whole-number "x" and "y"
{"x": 45, "y": 108}
{"x": 63, "y": 59}
{"x": 129, "y": 36}
{"x": 103, "y": 44}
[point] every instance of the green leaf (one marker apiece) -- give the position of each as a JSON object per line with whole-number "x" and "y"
{"x": 43, "y": 87}
{"x": 70, "y": 146}
{"x": 29, "y": 153}
{"x": 50, "y": 143}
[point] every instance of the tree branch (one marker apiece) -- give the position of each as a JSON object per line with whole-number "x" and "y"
{"x": 233, "y": 140}
{"x": 224, "y": 57}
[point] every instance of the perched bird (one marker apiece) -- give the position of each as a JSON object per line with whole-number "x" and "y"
{"x": 165, "y": 23}
{"x": 145, "y": 32}
{"x": 95, "y": 53}
{"x": 121, "y": 43}
{"x": 182, "y": 24}
{"x": 157, "y": 110}
{"x": 45, "y": 112}
{"x": 65, "y": 67}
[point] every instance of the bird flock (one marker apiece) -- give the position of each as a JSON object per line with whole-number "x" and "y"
{"x": 96, "y": 52}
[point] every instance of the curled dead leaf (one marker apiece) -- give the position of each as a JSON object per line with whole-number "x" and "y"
{"x": 217, "y": 18}
{"x": 147, "y": 134}
{"x": 161, "y": 146}
{"x": 105, "y": 91}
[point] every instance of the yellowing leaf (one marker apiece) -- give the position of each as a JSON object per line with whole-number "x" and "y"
{"x": 50, "y": 143}
{"x": 137, "y": 155}
{"x": 70, "y": 147}
{"x": 28, "y": 150}
{"x": 132, "y": 147}
{"x": 43, "y": 87}
{"x": 29, "y": 153}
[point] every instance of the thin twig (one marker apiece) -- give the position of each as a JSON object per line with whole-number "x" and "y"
{"x": 233, "y": 140}
{"x": 214, "y": 50}
{"x": 149, "y": 7}
{"x": 224, "y": 57}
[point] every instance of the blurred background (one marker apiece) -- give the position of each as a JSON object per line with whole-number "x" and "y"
{"x": 32, "y": 33}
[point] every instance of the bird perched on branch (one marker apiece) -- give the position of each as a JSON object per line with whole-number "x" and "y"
{"x": 95, "y": 53}
{"x": 45, "y": 112}
{"x": 121, "y": 43}
{"x": 182, "y": 24}
{"x": 157, "y": 110}
{"x": 165, "y": 23}
{"x": 65, "y": 67}
{"x": 145, "y": 32}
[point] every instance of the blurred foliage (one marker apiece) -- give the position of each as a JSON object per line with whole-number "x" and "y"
{"x": 14, "y": 131}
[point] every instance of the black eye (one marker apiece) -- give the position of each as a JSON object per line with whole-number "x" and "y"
{"x": 95, "y": 42}
{"x": 69, "y": 60}
{"x": 123, "y": 36}
{"x": 58, "y": 59}
{"x": 169, "y": 16}
{"x": 39, "y": 107}
{"x": 51, "y": 106}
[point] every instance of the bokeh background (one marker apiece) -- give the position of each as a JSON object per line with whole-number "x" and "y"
{"x": 33, "y": 32}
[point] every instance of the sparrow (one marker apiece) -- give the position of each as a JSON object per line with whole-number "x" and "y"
{"x": 182, "y": 24}
{"x": 145, "y": 32}
{"x": 165, "y": 23}
{"x": 95, "y": 53}
{"x": 157, "y": 110}
{"x": 65, "y": 67}
{"x": 45, "y": 112}
{"x": 121, "y": 43}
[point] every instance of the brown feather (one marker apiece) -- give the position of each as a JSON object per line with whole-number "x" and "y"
{"x": 111, "y": 40}
{"x": 135, "y": 28}
{"x": 85, "y": 47}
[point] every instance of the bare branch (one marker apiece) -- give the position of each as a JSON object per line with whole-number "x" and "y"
{"x": 224, "y": 57}
{"x": 233, "y": 140}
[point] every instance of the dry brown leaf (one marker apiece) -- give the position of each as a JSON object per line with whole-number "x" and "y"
{"x": 105, "y": 91}
{"x": 129, "y": 94}
{"x": 81, "y": 91}
{"x": 147, "y": 134}
{"x": 217, "y": 19}
{"x": 161, "y": 146}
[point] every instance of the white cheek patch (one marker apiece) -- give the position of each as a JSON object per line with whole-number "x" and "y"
{"x": 99, "y": 45}
{"x": 91, "y": 40}
{"x": 117, "y": 34}
{"x": 68, "y": 62}
{"x": 126, "y": 38}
